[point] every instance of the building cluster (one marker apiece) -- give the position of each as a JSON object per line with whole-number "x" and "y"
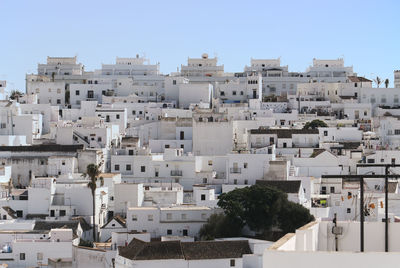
{"x": 168, "y": 145}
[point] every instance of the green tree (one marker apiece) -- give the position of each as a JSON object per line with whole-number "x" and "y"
{"x": 386, "y": 82}
{"x": 93, "y": 172}
{"x": 378, "y": 81}
{"x": 258, "y": 207}
{"x": 293, "y": 216}
{"x": 315, "y": 124}
{"x": 16, "y": 94}
{"x": 220, "y": 225}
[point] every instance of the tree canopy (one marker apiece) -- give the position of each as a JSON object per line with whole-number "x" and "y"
{"x": 260, "y": 208}
{"x": 315, "y": 124}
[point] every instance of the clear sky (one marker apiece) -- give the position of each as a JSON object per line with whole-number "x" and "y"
{"x": 366, "y": 33}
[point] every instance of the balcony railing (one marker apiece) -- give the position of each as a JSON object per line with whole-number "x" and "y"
{"x": 176, "y": 172}
{"x": 235, "y": 170}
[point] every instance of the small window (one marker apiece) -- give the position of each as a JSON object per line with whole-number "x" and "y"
{"x": 169, "y": 216}
{"x": 246, "y": 182}
{"x": 63, "y": 163}
{"x": 348, "y": 210}
{"x": 62, "y": 212}
{"x": 325, "y": 133}
{"x": 99, "y": 139}
{"x": 210, "y": 162}
{"x": 232, "y": 263}
{"x": 244, "y": 165}
{"x": 150, "y": 217}
{"x": 166, "y": 146}
{"x": 22, "y": 256}
{"x": 234, "y": 93}
{"x": 77, "y": 92}
{"x": 142, "y": 169}
{"x": 117, "y": 116}
{"x": 134, "y": 217}
{"x": 116, "y": 167}
{"x": 169, "y": 232}
{"x": 128, "y": 167}
{"x": 204, "y": 180}
{"x": 203, "y": 197}
{"x": 58, "y": 101}
{"x": 235, "y": 181}
{"x": 332, "y": 189}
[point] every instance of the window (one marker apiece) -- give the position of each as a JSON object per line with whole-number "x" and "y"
{"x": 182, "y": 146}
{"x": 20, "y": 213}
{"x": 246, "y": 182}
{"x": 234, "y": 93}
{"x": 210, "y": 162}
{"x": 348, "y": 210}
{"x": 77, "y": 92}
{"x": 128, "y": 167}
{"x": 232, "y": 263}
{"x": 332, "y": 190}
{"x": 397, "y": 132}
{"x": 183, "y": 216}
{"x": 204, "y": 180}
{"x": 169, "y": 216}
{"x": 62, "y": 212}
{"x": 235, "y": 181}
{"x": 150, "y": 217}
{"x": 116, "y": 167}
{"x": 222, "y": 93}
{"x": 142, "y": 169}
{"x": 241, "y": 93}
{"x": 99, "y": 139}
{"x": 185, "y": 232}
{"x": 22, "y": 256}
{"x": 325, "y": 133}
{"x": 371, "y": 161}
{"x": 166, "y": 146}
{"x": 117, "y": 116}
{"x": 203, "y": 197}
{"x": 134, "y": 217}
{"x": 130, "y": 152}
{"x": 169, "y": 232}
{"x": 244, "y": 165}
{"x": 58, "y": 101}
{"x": 284, "y": 145}
{"x": 174, "y": 82}
{"x": 63, "y": 163}
{"x": 58, "y": 90}
{"x": 49, "y": 89}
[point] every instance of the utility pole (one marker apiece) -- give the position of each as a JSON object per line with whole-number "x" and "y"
{"x": 386, "y": 166}
{"x": 360, "y": 179}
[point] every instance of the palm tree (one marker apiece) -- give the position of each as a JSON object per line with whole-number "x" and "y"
{"x": 378, "y": 81}
{"x": 93, "y": 172}
{"x": 16, "y": 94}
{"x": 387, "y": 83}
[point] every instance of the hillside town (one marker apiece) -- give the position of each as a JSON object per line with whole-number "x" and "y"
{"x": 124, "y": 166}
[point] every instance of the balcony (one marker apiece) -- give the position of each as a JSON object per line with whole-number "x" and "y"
{"x": 235, "y": 170}
{"x": 176, "y": 173}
